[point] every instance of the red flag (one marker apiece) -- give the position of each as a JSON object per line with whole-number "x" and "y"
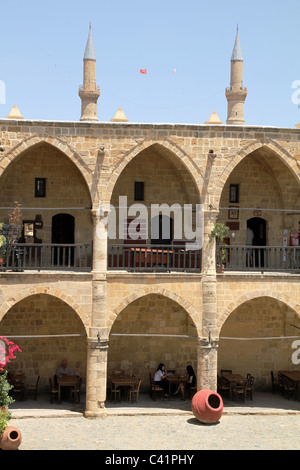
{"x": 144, "y": 71}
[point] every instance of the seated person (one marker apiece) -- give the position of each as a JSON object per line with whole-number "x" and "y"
{"x": 160, "y": 378}
{"x": 64, "y": 369}
{"x": 191, "y": 381}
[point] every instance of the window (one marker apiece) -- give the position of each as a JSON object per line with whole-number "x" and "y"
{"x": 139, "y": 191}
{"x": 40, "y": 187}
{"x": 234, "y": 193}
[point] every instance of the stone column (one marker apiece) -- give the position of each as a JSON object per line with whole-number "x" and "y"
{"x": 99, "y": 240}
{"x": 97, "y": 348}
{"x": 207, "y": 360}
{"x": 207, "y": 346}
{"x": 97, "y": 345}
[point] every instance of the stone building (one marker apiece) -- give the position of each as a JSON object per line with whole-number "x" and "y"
{"x": 110, "y": 303}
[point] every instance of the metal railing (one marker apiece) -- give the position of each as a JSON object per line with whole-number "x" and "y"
{"x": 41, "y": 256}
{"x": 153, "y": 257}
{"x": 258, "y": 258}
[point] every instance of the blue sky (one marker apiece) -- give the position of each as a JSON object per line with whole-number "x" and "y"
{"x": 42, "y": 46}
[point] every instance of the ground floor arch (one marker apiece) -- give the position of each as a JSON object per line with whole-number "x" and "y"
{"x": 150, "y": 330}
{"x": 47, "y": 330}
{"x": 257, "y": 337}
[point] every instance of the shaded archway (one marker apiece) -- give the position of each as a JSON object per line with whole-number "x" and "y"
{"x": 165, "y": 149}
{"x": 150, "y": 330}
{"x": 268, "y": 190}
{"x": 47, "y": 330}
{"x": 61, "y": 176}
{"x": 256, "y": 338}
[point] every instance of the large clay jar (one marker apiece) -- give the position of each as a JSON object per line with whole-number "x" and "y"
{"x": 11, "y": 438}
{"x": 207, "y": 406}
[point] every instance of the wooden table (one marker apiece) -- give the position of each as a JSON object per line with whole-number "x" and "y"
{"x": 231, "y": 378}
{"x": 294, "y": 376}
{"x": 123, "y": 381}
{"x": 66, "y": 381}
{"x": 176, "y": 380}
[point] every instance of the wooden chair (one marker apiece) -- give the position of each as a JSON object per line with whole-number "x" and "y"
{"x": 18, "y": 386}
{"x": 34, "y": 388}
{"x": 114, "y": 392}
{"x": 288, "y": 388}
{"x": 191, "y": 392}
{"x": 53, "y": 391}
{"x": 249, "y": 386}
{"x": 239, "y": 389}
{"x": 154, "y": 389}
{"x": 276, "y": 383}
{"x": 223, "y": 386}
{"x": 133, "y": 393}
{"x": 76, "y": 391}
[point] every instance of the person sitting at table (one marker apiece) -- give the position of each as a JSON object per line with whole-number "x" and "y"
{"x": 64, "y": 369}
{"x": 160, "y": 378}
{"x": 191, "y": 381}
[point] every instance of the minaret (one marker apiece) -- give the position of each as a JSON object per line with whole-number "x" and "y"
{"x": 236, "y": 93}
{"x": 89, "y": 92}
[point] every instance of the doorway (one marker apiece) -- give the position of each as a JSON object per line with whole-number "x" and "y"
{"x": 63, "y": 228}
{"x": 258, "y": 227}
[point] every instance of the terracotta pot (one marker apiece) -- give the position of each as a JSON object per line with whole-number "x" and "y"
{"x": 207, "y": 406}
{"x": 11, "y": 438}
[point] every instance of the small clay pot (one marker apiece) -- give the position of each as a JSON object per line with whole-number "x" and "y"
{"x": 207, "y": 406}
{"x": 11, "y": 438}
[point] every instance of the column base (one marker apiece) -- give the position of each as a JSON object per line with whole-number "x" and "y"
{"x": 100, "y": 413}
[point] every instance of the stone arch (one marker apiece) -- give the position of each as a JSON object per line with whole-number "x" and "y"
{"x": 44, "y": 138}
{"x": 185, "y": 304}
{"x": 51, "y": 291}
{"x": 276, "y": 148}
{"x": 284, "y": 298}
{"x": 107, "y": 186}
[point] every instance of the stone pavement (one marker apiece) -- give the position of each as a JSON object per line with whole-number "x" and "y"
{"x": 269, "y": 422}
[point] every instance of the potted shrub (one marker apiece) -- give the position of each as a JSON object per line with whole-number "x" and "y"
{"x": 219, "y": 232}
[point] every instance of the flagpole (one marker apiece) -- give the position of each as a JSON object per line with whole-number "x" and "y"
{"x": 144, "y": 72}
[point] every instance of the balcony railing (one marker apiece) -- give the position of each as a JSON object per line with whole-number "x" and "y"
{"x": 153, "y": 258}
{"x": 259, "y": 258}
{"x": 45, "y": 256}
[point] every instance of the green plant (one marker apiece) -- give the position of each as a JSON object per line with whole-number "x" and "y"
{"x": 219, "y": 232}
{"x": 4, "y": 418}
{"x": 10, "y": 232}
{"x": 5, "y": 388}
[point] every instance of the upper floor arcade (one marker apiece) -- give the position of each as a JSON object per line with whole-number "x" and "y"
{"x": 150, "y": 191}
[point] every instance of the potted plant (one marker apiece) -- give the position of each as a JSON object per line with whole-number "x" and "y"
{"x": 10, "y": 438}
{"x": 219, "y": 232}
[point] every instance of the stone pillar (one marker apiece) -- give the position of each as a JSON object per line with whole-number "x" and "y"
{"x": 96, "y": 379}
{"x": 99, "y": 240}
{"x": 207, "y": 360}
{"x": 97, "y": 345}
{"x": 207, "y": 346}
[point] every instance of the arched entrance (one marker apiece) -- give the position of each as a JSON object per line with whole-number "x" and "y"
{"x": 47, "y": 330}
{"x": 256, "y": 338}
{"x": 151, "y": 330}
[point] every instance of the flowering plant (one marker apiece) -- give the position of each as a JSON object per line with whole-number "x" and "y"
{"x": 6, "y": 356}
